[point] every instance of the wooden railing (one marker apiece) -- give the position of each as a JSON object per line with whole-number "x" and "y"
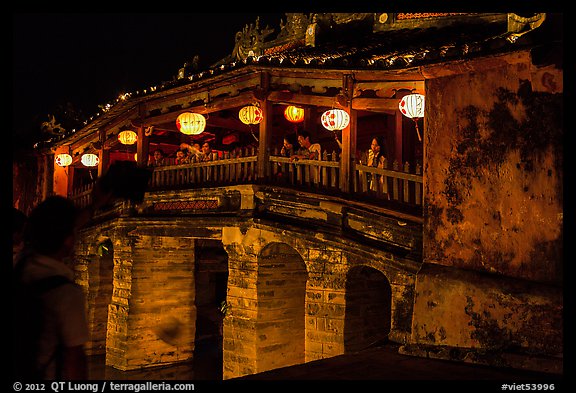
{"x": 323, "y": 174}
{"x": 81, "y": 195}
{"x": 390, "y": 182}
{"x": 395, "y": 183}
{"x": 229, "y": 168}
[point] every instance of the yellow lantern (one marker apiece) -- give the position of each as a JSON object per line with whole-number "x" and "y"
{"x": 90, "y": 159}
{"x": 294, "y": 114}
{"x": 335, "y": 119}
{"x": 127, "y": 137}
{"x": 63, "y": 159}
{"x": 191, "y": 123}
{"x": 250, "y": 114}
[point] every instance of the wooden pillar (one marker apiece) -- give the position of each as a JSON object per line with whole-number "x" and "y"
{"x": 143, "y": 142}
{"x": 142, "y": 147}
{"x": 264, "y": 130}
{"x": 103, "y": 153}
{"x": 61, "y": 174}
{"x": 398, "y": 143}
{"x": 348, "y": 157}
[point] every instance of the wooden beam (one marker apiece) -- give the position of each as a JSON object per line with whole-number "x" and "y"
{"x": 218, "y": 104}
{"x": 279, "y": 97}
{"x": 375, "y": 104}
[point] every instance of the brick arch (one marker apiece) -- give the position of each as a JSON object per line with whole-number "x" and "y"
{"x": 281, "y": 293}
{"x": 368, "y": 312}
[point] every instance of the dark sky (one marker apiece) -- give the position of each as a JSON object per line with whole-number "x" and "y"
{"x": 90, "y": 59}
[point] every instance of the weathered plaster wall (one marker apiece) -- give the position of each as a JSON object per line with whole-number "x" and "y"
{"x": 466, "y": 310}
{"x": 493, "y": 174}
{"x": 491, "y": 281}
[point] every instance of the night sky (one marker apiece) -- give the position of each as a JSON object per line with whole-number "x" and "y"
{"x": 90, "y": 59}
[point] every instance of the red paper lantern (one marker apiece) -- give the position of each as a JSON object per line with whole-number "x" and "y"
{"x": 294, "y": 114}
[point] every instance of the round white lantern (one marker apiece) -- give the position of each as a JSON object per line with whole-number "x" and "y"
{"x": 412, "y": 106}
{"x": 63, "y": 159}
{"x": 89, "y": 159}
{"x": 335, "y": 119}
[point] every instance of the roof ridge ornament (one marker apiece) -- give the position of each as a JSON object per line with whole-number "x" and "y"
{"x": 519, "y": 25}
{"x": 249, "y": 41}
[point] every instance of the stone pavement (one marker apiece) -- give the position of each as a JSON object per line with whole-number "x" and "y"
{"x": 385, "y": 363}
{"x": 349, "y": 371}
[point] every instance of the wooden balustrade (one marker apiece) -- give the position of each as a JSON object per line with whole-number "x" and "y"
{"x": 82, "y": 195}
{"x": 387, "y": 183}
{"x": 230, "y": 168}
{"x": 322, "y": 174}
{"x": 390, "y": 183}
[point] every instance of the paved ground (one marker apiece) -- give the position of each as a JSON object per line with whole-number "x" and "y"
{"x": 385, "y": 363}
{"x": 381, "y": 363}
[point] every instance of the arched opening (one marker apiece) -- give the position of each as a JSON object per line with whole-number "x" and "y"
{"x": 281, "y": 291}
{"x": 368, "y": 309}
{"x": 211, "y": 278}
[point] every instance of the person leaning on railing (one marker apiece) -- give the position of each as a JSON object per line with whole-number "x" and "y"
{"x": 310, "y": 151}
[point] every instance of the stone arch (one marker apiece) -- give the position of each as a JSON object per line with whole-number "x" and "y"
{"x": 281, "y": 294}
{"x": 368, "y": 308}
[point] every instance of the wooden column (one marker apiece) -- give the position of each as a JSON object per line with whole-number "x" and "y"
{"x": 143, "y": 143}
{"x": 61, "y": 174}
{"x": 103, "y": 153}
{"x": 142, "y": 147}
{"x": 264, "y": 131}
{"x": 398, "y": 145}
{"x": 348, "y": 156}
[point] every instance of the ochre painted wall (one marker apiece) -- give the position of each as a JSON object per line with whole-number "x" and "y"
{"x": 493, "y": 174}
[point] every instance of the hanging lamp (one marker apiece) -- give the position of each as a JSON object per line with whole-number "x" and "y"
{"x": 127, "y": 137}
{"x": 412, "y": 106}
{"x": 335, "y": 119}
{"x": 89, "y": 159}
{"x": 294, "y": 114}
{"x": 191, "y": 123}
{"x": 63, "y": 159}
{"x": 250, "y": 114}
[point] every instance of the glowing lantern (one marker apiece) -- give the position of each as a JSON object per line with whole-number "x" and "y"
{"x": 412, "y": 106}
{"x": 63, "y": 159}
{"x": 335, "y": 119}
{"x": 127, "y": 137}
{"x": 90, "y": 159}
{"x": 191, "y": 123}
{"x": 250, "y": 114}
{"x": 294, "y": 114}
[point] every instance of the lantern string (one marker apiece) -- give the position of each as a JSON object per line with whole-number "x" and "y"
{"x": 417, "y": 129}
